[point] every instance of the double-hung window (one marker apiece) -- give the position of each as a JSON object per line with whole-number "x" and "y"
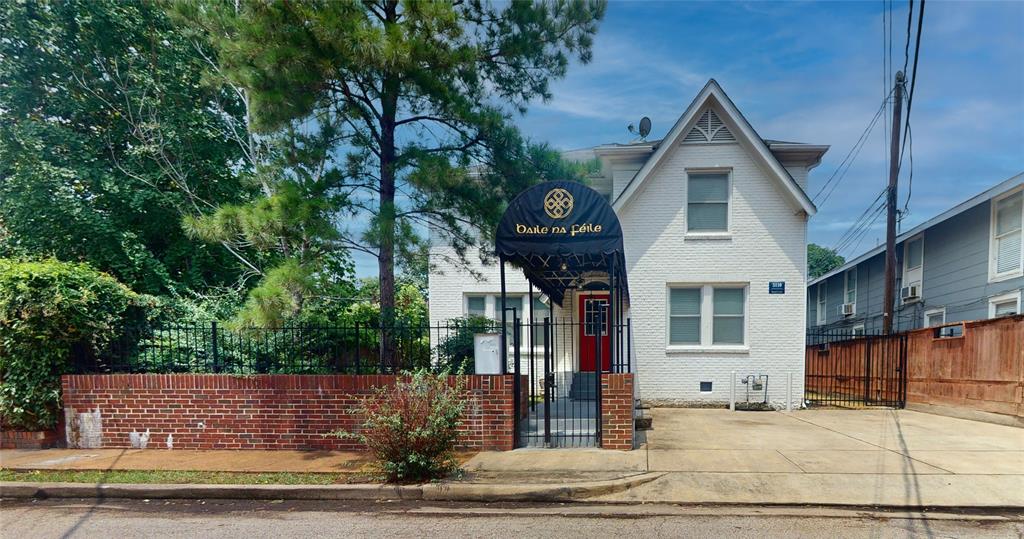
{"x": 728, "y": 312}
{"x": 851, "y": 286}
{"x": 934, "y": 317}
{"x": 707, "y": 315}
{"x": 707, "y": 202}
{"x": 822, "y": 299}
{"x": 1004, "y": 305}
{"x": 476, "y": 305}
{"x": 1007, "y": 257}
{"x": 684, "y": 316}
{"x": 913, "y": 263}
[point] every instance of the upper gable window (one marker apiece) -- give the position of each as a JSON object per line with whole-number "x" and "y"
{"x": 707, "y": 204}
{"x": 709, "y": 128}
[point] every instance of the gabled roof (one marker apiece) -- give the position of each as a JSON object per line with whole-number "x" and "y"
{"x": 984, "y": 196}
{"x": 713, "y": 92}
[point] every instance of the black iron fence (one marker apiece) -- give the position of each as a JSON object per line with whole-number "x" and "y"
{"x": 353, "y": 349}
{"x": 855, "y": 369}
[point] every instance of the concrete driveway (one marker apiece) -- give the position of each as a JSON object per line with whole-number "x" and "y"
{"x": 831, "y": 441}
{"x": 892, "y": 458}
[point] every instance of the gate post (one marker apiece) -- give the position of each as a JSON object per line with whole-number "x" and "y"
{"x": 598, "y": 327}
{"x": 547, "y": 380}
{"x": 867, "y": 368}
{"x": 516, "y": 382}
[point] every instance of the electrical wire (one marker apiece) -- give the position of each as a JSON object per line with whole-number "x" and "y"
{"x": 858, "y": 223}
{"x": 907, "y": 133}
{"x": 844, "y": 166}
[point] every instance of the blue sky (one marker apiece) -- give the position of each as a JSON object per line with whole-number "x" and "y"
{"x": 811, "y": 72}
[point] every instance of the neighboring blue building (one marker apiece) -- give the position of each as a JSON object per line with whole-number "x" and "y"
{"x": 965, "y": 264}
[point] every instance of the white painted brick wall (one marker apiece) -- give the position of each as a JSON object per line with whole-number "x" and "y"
{"x": 768, "y": 243}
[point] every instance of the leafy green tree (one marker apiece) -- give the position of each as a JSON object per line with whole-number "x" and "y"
{"x": 416, "y": 99}
{"x": 46, "y": 308}
{"x": 110, "y": 131}
{"x": 821, "y": 260}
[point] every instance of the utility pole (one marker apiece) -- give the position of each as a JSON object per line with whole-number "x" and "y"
{"x": 890, "y": 206}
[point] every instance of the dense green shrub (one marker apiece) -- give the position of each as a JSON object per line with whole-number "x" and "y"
{"x": 412, "y": 427}
{"x": 47, "y": 308}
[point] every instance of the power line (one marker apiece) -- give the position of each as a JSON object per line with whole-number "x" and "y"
{"x": 907, "y": 133}
{"x": 858, "y": 222}
{"x": 863, "y": 229}
{"x": 906, "y": 47}
{"x": 838, "y": 174}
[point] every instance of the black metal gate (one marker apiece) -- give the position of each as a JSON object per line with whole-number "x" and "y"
{"x": 560, "y": 366}
{"x": 855, "y": 370}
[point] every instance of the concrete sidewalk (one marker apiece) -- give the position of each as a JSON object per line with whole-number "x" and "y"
{"x": 189, "y": 460}
{"x": 899, "y": 459}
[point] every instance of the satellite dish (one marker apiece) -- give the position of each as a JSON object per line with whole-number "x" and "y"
{"x": 645, "y": 127}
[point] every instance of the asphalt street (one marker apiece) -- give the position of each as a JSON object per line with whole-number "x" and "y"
{"x": 25, "y": 519}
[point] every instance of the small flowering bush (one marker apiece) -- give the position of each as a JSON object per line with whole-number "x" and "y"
{"x": 412, "y": 427}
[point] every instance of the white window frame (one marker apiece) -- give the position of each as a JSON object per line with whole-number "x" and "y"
{"x": 847, "y": 290}
{"x": 1012, "y": 296}
{"x": 1019, "y": 272}
{"x": 699, "y": 315}
{"x": 855, "y": 329}
{"x": 707, "y": 319}
{"x": 709, "y": 234}
{"x": 930, "y": 312}
{"x": 918, "y": 271}
{"x": 821, "y": 304}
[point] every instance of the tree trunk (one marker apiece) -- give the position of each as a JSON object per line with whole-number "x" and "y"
{"x": 390, "y": 87}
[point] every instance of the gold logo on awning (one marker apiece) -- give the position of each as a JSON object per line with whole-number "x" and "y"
{"x": 558, "y": 203}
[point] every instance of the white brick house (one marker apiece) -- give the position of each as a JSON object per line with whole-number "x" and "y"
{"x": 710, "y": 215}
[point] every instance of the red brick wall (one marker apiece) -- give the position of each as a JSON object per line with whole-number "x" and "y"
{"x": 21, "y": 439}
{"x": 210, "y": 411}
{"x": 617, "y": 411}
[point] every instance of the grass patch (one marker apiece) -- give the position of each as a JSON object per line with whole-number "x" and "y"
{"x": 185, "y": 477}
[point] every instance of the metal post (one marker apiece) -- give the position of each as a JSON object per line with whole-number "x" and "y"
{"x": 789, "y": 394}
{"x": 216, "y": 355}
{"x": 547, "y": 381}
{"x": 598, "y": 327}
{"x": 732, "y": 392}
{"x": 611, "y": 315}
{"x": 504, "y": 322}
{"x": 532, "y": 325}
{"x": 359, "y": 367}
{"x": 517, "y": 389}
{"x": 629, "y": 348}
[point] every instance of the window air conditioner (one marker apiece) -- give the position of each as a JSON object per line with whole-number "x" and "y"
{"x": 911, "y": 292}
{"x": 846, "y": 309}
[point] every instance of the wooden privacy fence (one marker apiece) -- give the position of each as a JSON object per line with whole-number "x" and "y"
{"x": 982, "y": 369}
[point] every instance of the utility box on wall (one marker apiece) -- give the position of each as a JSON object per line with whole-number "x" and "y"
{"x": 486, "y": 358}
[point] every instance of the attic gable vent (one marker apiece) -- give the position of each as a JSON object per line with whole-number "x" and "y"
{"x": 709, "y": 128}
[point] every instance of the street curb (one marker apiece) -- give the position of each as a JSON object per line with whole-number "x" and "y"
{"x": 455, "y": 491}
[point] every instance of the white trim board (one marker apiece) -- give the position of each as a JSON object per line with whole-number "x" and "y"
{"x": 712, "y": 94}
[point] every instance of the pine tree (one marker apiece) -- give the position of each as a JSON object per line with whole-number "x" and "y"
{"x": 416, "y": 99}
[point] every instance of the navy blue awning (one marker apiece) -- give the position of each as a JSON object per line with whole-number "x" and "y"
{"x": 559, "y": 232}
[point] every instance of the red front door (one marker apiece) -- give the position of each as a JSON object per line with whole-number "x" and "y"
{"x": 594, "y": 318}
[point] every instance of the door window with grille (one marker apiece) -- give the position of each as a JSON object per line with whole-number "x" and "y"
{"x": 595, "y": 312}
